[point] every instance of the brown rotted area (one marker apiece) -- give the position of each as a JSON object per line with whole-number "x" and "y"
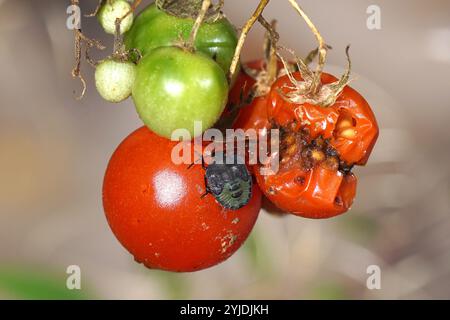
{"x": 297, "y": 148}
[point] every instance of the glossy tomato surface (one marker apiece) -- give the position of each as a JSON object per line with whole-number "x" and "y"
{"x": 317, "y": 193}
{"x": 254, "y": 114}
{"x": 349, "y": 123}
{"x": 154, "y": 28}
{"x": 174, "y": 88}
{"x": 155, "y": 209}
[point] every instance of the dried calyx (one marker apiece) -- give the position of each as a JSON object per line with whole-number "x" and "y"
{"x": 190, "y": 9}
{"x": 270, "y": 71}
{"x": 310, "y": 88}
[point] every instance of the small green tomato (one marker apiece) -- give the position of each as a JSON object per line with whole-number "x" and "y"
{"x": 175, "y": 87}
{"x": 113, "y": 10}
{"x": 155, "y": 28}
{"x": 114, "y": 79}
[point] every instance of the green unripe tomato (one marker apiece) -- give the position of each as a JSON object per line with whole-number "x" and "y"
{"x": 175, "y": 87}
{"x": 114, "y": 79}
{"x": 110, "y": 11}
{"x": 154, "y": 28}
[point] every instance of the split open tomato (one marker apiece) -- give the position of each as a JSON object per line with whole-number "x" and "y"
{"x": 318, "y": 147}
{"x": 349, "y": 123}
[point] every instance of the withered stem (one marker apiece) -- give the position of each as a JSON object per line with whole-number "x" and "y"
{"x": 80, "y": 38}
{"x": 270, "y": 48}
{"x": 245, "y": 30}
{"x": 134, "y": 6}
{"x": 322, "y": 46}
{"x": 97, "y": 9}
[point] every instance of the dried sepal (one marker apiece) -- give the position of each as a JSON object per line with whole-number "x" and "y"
{"x": 310, "y": 89}
{"x": 313, "y": 54}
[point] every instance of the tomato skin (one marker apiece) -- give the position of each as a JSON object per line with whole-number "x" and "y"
{"x": 324, "y": 121}
{"x": 253, "y": 115}
{"x": 310, "y": 194}
{"x": 347, "y": 130}
{"x": 174, "y": 88}
{"x": 154, "y": 28}
{"x": 153, "y": 207}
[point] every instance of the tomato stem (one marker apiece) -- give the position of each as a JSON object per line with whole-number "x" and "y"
{"x": 198, "y": 22}
{"x": 322, "y": 46}
{"x": 245, "y": 30}
{"x": 270, "y": 49}
{"x": 81, "y": 39}
{"x": 119, "y": 48}
{"x": 134, "y": 6}
{"x": 97, "y": 9}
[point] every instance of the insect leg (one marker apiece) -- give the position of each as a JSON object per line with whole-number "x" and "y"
{"x": 206, "y": 189}
{"x": 194, "y": 162}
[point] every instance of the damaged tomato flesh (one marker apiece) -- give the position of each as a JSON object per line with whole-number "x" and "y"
{"x": 319, "y": 145}
{"x": 312, "y": 181}
{"x": 349, "y": 123}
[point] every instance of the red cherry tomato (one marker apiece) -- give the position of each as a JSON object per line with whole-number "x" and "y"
{"x": 349, "y": 123}
{"x": 253, "y": 115}
{"x": 154, "y": 208}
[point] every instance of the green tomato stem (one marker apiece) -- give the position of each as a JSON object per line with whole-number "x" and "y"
{"x": 198, "y": 22}
{"x": 119, "y": 48}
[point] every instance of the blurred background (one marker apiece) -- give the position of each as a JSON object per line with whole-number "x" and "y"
{"x": 54, "y": 150}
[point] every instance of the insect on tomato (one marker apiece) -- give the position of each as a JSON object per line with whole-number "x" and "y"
{"x": 230, "y": 183}
{"x": 156, "y": 210}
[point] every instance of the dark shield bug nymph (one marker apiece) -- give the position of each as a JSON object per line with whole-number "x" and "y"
{"x": 230, "y": 184}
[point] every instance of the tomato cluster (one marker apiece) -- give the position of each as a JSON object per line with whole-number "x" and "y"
{"x": 176, "y": 216}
